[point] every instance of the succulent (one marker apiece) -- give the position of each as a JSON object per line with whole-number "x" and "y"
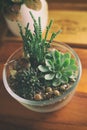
{"x": 58, "y": 67}
{"x": 25, "y": 82}
{"x": 41, "y": 72}
{"x": 34, "y": 45}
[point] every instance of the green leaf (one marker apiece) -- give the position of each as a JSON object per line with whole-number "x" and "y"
{"x": 64, "y": 79}
{"x": 72, "y": 61}
{"x": 67, "y": 55}
{"x": 66, "y": 62}
{"x": 47, "y": 29}
{"x": 73, "y": 67}
{"x": 49, "y": 76}
{"x": 58, "y": 75}
{"x": 48, "y": 63}
{"x": 54, "y": 35}
{"x": 51, "y": 69}
{"x": 70, "y": 68}
{"x": 68, "y": 73}
{"x": 43, "y": 68}
{"x": 48, "y": 56}
{"x": 55, "y": 54}
{"x": 56, "y": 82}
{"x": 58, "y": 62}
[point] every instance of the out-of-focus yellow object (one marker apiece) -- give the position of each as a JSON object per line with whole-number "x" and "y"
{"x": 73, "y": 25}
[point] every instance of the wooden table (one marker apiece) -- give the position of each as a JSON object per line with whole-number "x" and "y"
{"x": 13, "y": 116}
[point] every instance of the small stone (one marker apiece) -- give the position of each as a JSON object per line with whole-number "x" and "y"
{"x": 13, "y": 72}
{"x": 37, "y": 97}
{"x": 48, "y": 95}
{"x": 63, "y": 87}
{"x": 56, "y": 92}
{"x": 49, "y": 89}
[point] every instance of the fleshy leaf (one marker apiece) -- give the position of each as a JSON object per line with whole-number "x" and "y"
{"x": 59, "y": 75}
{"x": 66, "y": 62}
{"x": 49, "y": 63}
{"x": 72, "y": 61}
{"x": 55, "y": 54}
{"x": 67, "y": 55}
{"x": 43, "y": 68}
{"x": 48, "y": 56}
{"x": 49, "y": 76}
{"x": 56, "y": 82}
{"x": 64, "y": 79}
{"x": 73, "y": 67}
{"x": 68, "y": 73}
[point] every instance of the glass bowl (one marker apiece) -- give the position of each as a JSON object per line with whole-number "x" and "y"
{"x": 45, "y": 105}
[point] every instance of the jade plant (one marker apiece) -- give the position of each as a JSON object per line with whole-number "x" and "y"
{"x": 41, "y": 73}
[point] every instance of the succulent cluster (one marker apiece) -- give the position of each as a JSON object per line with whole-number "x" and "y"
{"x": 34, "y": 45}
{"x": 42, "y": 72}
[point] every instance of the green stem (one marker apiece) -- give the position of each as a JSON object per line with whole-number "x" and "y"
{"x": 47, "y": 29}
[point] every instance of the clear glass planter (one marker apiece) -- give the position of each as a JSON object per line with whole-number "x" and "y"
{"x": 46, "y": 105}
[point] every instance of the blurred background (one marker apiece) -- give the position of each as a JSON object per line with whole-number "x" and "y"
{"x": 68, "y": 15}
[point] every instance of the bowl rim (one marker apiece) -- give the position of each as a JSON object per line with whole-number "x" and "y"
{"x": 43, "y": 102}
